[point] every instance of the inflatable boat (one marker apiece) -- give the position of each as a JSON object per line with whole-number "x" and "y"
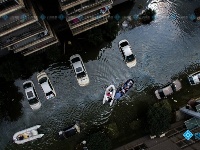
{"x": 121, "y": 90}
{"x": 109, "y": 95}
{"x": 27, "y": 135}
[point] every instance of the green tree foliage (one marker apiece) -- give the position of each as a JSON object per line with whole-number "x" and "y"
{"x": 110, "y": 30}
{"x": 159, "y": 117}
{"x": 10, "y": 106}
{"x": 98, "y": 141}
{"x": 147, "y": 16}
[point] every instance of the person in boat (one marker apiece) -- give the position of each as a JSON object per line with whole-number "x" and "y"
{"x": 108, "y": 94}
{"x": 109, "y": 99}
{"x": 20, "y": 137}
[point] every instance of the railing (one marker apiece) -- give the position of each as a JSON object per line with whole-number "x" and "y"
{"x": 40, "y": 46}
{"x": 23, "y": 35}
{"x": 87, "y": 9}
{"x": 87, "y": 19}
{"x": 25, "y": 45}
{"x": 68, "y": 4}
{"x": 14, "y": 23}
{"x": 89, "y": 25}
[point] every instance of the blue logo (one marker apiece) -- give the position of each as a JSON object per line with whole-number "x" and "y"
{"x": 173, "y": 17}
{"x": 188, "y": 135}
{"x": 135, "y": 17}
{"x": 117, "y": 17}
{"x": 192, "y": 17}
{"x": 61, "y": 16}
{"x": 5, "y": 17}
{"x": 197, "y": 136}
{"x": 42, "y": 16}
{"x": 23, "y": 17}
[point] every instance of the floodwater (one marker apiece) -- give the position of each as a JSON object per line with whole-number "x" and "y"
{"x": 164, "y": 48}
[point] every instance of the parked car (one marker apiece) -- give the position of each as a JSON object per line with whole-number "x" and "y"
{"x": 79, "y": 69}
{"x": 194, "y": 78}
{"x": 127, "y": 53}
{"x": 70, "y": 131}
{"x": 46, "y": 85}
{"x": 31, "y": 95}
{"x": 168, "y": 89}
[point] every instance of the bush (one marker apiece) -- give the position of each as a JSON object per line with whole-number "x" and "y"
{"x": 98, "y": 141}
{"x": 159, "y": 117}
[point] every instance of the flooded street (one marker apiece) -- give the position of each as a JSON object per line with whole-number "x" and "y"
{"x": 163, "y": 49}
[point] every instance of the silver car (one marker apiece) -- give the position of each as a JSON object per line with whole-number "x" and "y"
{"x": 46, "y": 85}
{"x": 79, "y": 70}
{"x": 194, "y": 78}
{"x": 168, "y": 89}
{"x": 31, "y": 95}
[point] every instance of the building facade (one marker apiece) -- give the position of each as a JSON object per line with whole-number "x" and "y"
{"x": 82, "y": 15}
{"x": 21, "y": 30}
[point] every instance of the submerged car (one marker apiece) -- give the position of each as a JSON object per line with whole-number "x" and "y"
{"x": 31, "y": 95}
{"x": 79, "y": 69}
{"x": 127, "y": 53}
{"x": 168, "y": 89}
{"x": 70, "y": 131}
{"x": 194, "y": 78}
{"x": 46, "y": 85}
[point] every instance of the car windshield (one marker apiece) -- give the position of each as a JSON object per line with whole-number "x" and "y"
{"x": 79, "y": 69}
{"x": 49, "y": 93}
{"x": 191, "y": 80}
{"x": 130, "y": 58}
{"x": 33, "y": 101}
{"x": 27, "y": 85}
{"x": 161, "y": 93}
{"x": 173, "y": 87}
{"x": 124, "y": 44}
{"x": 42, "y": 80}
{"x": 81, "y": 75}
{"x": 75, "y": 60}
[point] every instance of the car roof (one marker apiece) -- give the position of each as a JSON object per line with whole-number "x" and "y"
{"x": 30, "y": 93}
{"x": 196, "y": 78}
{"x": 46, "y": 88}
{"x": 127, "y": 50}
{"x": 167, "y": 90}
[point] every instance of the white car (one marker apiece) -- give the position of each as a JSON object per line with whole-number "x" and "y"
{"x": 79, "y": 69}
{"x": 168, "y": 89}
{"x": 127, "y": 53}
{"x": 31, "y": 95}
{"x": 46, "y": 85}
{"x": 194, "y": 78}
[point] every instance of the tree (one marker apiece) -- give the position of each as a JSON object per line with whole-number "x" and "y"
{"x": 10, "y": 106}
{"x": 159, "y": 117}
{"x": 98, "y": 141}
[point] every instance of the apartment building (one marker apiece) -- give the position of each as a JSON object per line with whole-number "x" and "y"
{"x": 21, "y": 29}
{"x": 83, "y": 15}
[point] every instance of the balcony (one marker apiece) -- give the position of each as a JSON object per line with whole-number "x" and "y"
{"x": 66, "y": 4}
{"x": 87, "y": 18}
{"x": 40, "y": 46}
{"x": 88, "y": 9}
{"x": 22, "y": 34}
{"x": 90, "y": 25}
{"x": 9, "y": 6}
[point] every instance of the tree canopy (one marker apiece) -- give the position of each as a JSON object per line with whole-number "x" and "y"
{"x": 159, "y": 117}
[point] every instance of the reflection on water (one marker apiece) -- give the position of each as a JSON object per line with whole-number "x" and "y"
{"x": 163, "y": 48}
